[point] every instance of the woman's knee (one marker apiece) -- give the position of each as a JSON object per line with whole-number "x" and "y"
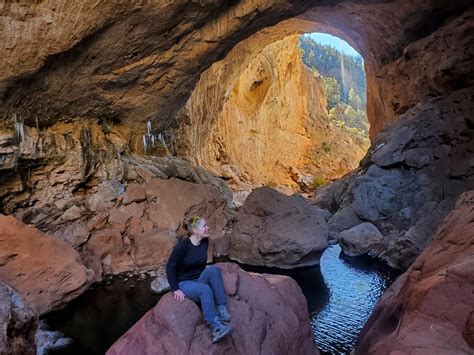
{"x": 213, "y": 270}
{"x": 204, "y": 290}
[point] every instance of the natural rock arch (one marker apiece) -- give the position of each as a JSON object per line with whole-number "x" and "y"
{"x": 118, "y": 61}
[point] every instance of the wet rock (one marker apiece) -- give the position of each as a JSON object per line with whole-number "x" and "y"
{"x": 429, "y": 309}
{"x": 361, "y": 239}
{"x": 18, "y": 323}
{"x": 46, "y": 271}
{"x": 47, "y": 340}
{"x": 269, "y": 314}
{"x": 160, "y": 284}
{"x": 272, "y": 229}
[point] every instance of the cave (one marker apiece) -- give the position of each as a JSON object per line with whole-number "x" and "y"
{"x": 100, "y": 102}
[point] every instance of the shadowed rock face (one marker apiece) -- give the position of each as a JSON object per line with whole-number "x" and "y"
{"x": 18, "y": 323}
{"x": 269, "y": 314}
{"x": 410, "y": 178}
{"x": 429, "y": 310}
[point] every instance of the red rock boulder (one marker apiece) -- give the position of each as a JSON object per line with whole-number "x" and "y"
{"x": 46, "y": 271}
{"x": 430, "y": 309}
{"x": 269, "y": 314}
{"x": 272, "y": 229}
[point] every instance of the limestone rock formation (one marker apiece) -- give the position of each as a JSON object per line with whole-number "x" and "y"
{"x": 272, "y": 229}
{"x": 18, "y": 323}
{"x": 361, "y": 239}
{"x": 269, "y": 314}
{"x": 46, "y": 271}
{"x": 117, "y": 64}
{"x": 78, "y": 156}
{"x": 429, "y": 310}
{"x": 273, "y": 128}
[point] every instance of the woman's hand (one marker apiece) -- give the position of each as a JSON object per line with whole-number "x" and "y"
{"x": 179, "y": 295}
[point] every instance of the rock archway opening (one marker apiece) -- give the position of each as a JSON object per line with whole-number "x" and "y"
{"x": 294, "y": 118}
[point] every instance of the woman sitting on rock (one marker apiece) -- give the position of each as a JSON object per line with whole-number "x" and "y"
{"x": 189, "y": 277}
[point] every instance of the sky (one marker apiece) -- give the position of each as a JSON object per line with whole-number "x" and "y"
{"x": 326, "y": 39}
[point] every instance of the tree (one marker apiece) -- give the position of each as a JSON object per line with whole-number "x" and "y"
{"x": 350, "y": 116}
{"x": 354, "y": 100}
{"x": 333, "y": 92}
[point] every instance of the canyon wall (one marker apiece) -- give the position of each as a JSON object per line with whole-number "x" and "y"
{"x": 418, "y": 166}
{"x": 273, "y": 128}
{"x": 430, "y": 309}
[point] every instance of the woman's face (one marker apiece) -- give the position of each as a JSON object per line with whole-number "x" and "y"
{"x": 202, "y": 229}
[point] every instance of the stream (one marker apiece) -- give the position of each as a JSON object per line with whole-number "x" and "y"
{"x": 341, "y": 293}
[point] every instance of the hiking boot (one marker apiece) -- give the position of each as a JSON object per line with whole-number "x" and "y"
{"x": 223, "y": 312}
{"x": 219, "y": 330}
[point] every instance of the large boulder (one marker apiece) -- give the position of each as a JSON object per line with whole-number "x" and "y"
{"x": 430, "y": 309}
{"x": 272, "y": 229}
{"x": 46, "y": 271}
{"x": 269, "y": 314}
{"x": 361, "y": 239}
{"x": 18, "y": 323}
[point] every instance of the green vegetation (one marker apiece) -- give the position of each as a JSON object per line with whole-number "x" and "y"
{"x": 326, "y": 147}
{"x": 318, "y": 181}
{"x": 343, "y": 77}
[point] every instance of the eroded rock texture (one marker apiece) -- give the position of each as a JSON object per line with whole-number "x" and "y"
{"x": 72, "y": 181}
{"x": 18, "y": 323}
{"x": 273, "y": 128}
{"x": 55, "y": 65}
{"x": 269, "y": 314}
{"x": 429, "y": 310}
{"x": 272, "y": 229}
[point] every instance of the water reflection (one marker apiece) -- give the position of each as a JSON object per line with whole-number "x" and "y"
{"x": 101, "y": 315}
{"x": 355, "y": 285}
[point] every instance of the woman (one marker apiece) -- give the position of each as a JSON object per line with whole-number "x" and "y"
{"x": 189, "y": 277}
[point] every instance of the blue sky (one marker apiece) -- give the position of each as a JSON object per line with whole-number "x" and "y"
{"x": 336, "y": 42}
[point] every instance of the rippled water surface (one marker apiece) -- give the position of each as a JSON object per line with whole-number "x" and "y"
{"x": 341, "y": 293}
{"x": 354, "y": 285}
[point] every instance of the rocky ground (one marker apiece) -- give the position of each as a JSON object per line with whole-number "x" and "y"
{"x": 266, "y": 321}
